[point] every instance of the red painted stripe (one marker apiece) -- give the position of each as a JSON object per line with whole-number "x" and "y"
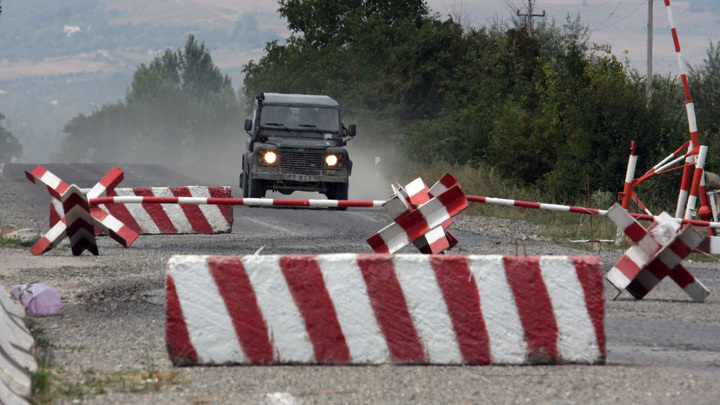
{"x": 590, "y": 275}
{"x": 448, "y": 180}
{"x": 680, "y": 248}
{"x": 177, "y": 337}
{"x": 453, "y": 199}
{"x": 414, "y": 224}
{"x": 111, "y": 179}
{"x": 676, "y": 41}
{"x": 628, "y": 267}
{"x": 682, "y": 276}
{"x": 193, "y": 213}
{"x": 54, "y": 215}
{"x": 73, "y": 200}
{"x": 122, "y": 214}
{"x": 225, "y": 210}
{"x": 534, "y": 307}
{"x": 377, "y": 244}
{"x": 42, "y": 246}
{"x": 156, "y": 212}
{"x": 390, "y": 308}
{"x": 527, "y": 204}
{"x": 306, "y": 284}
{"x": 241, "y": 302}
{"x": 463, "y": 301}
{"x": 636, "y": 232}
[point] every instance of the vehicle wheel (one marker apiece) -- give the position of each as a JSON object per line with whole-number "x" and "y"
{"x": 339, "y": 191}
{"x": 244, "y": 185}
{"x": 255, "y": 187}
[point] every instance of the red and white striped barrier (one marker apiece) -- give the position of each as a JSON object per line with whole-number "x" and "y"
{"x": 78, "y": 221}
{"x": 16, "y": 358}
{"x": 658, "y": 252}
{"x": 580, "y": 210}
{"x": 197, "y": 215}
{"x": 421, "y": 216}
{"x": 253, "y": 202}
{"x": 67, "y": 226}
{"x": 373, "y": 309}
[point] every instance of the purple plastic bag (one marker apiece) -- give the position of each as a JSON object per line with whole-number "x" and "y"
{"x": 38, "y": 299}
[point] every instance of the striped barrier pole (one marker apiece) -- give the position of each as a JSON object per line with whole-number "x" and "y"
{"x": 580, "y": 210}
{"x": 629, "y": 177}
{"x": 692, "y": 122}
{"x": 698, "y": 176}
{"x": 377, "y": 308}
{"x": 253, "y": 202}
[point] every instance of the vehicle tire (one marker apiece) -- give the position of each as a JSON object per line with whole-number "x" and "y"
{"x": 255, "y": 187}
{"x": 339, "y": 191}
{"x": 244, "y": 185}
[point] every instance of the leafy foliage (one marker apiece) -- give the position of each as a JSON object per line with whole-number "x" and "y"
{"x": 179, "y": 109}
{"x": 543, "y": 109}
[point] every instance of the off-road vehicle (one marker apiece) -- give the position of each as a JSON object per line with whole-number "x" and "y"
{"x": 297, "y": 143}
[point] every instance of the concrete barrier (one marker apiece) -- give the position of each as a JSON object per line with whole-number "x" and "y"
{"x": 166, "y": 218}
{"x": 16, "y": 345}
{"x": 374, "y": 309}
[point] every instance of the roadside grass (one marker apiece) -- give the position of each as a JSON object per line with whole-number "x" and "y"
{"x": 14, "y": 243}
{"x": 51, "y": 383}
{"x": 561, "y": 227}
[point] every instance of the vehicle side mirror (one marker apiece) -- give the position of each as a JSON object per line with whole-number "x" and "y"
{"x": 351, "y": 130}
{"x": 248, "y": 125}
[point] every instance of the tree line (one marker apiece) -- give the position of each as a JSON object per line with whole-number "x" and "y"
{"x": 541, "y": 107}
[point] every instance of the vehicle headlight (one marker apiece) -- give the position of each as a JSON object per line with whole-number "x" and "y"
{"x": 331, "y": 160}
{"x": 270, "y": 157}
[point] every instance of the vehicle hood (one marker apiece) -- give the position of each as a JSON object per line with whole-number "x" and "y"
{"x": 302, "y": 143}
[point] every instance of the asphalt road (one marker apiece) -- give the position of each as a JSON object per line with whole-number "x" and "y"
{"x": 664, "y": 349}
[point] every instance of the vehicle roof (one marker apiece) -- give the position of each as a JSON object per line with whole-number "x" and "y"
{"x": 308, "y": 99}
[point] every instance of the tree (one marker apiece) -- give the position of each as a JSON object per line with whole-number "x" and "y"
{"x": 179, "y": 109}
{"x": 9, "y": 146}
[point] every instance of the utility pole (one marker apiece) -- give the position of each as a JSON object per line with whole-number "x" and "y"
{"x": 530, "y": 15}
{"x": 649, "y": 50}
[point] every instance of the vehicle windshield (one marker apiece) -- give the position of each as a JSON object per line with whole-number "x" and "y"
{"x": 315, "y": 120}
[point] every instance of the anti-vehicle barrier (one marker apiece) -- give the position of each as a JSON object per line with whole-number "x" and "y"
{"x": 16, "y": 359}
{"x": 375, "y": 308}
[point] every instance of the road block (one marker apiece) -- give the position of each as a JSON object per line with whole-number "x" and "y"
{"x": 171, "y": 218}
{"x": 16, "y": 344}
{"x": 657, "y": 252}
{"x": 100, "y": 218}
{"x": 376, "y": 308}
{"x": 421, "y": 216}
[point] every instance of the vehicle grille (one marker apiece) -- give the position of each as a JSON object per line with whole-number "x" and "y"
{"x": 301, "y": 162}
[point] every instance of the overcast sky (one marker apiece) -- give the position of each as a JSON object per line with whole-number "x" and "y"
{"x": 620, "y": 23}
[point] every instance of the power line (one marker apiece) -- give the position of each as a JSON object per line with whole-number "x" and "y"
{"x": 608, "y": 17}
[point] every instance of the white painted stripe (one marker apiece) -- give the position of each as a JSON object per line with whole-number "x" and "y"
{"x": 434, "y": 212}
{"x": 648, "y": 244}
{"x": 502, "y": 321}
{"x": 620, "y": 217}
{"x": 347, "y": 289}
{"x": 697, "y": 291}
{"x": 638, "y": 256}
{"x": 211, "y": 212}
{"x": 141, "y": 216}
{"x": 692, "y": 122}
{"x": 630, "y": 173}
{"x": 396, "y": 206}
{"x": 173, "y": 211}
{"x": 416, "y": 186}
{"x": 428, "y": 309}
{"x": 577, "y": 340}
{"x": 286, "y": 326}
{"x": 208, "y": 322}
{"x": 618, "y": 278}
{"x": 394, "y": 237}
{"x": 555, "y": 207}
{"x": 50, "y": 180}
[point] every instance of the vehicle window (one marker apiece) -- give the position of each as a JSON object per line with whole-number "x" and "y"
{"x": 311, "y": 121}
